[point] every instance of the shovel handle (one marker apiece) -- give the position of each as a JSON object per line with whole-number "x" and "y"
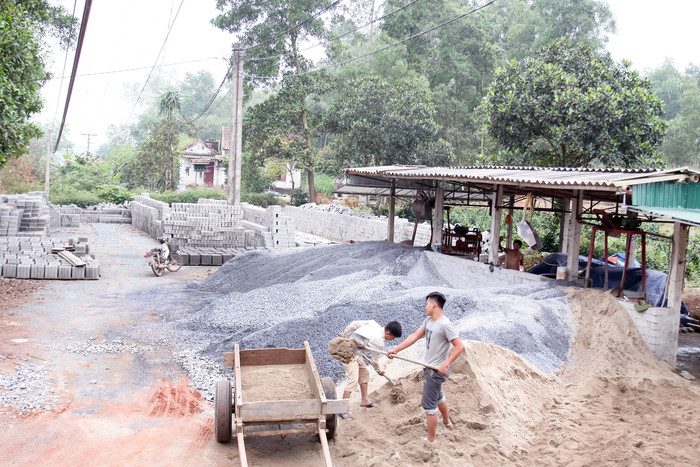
{"x": 432, "y": 367}
{"x": 391, "y": 381}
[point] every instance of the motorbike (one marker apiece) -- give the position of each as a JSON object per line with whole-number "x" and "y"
{"x": 155, "y": 259}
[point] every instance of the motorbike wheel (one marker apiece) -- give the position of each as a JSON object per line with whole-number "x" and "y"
{"x": 156, "y": 269}
{"x": 175, "y": 262}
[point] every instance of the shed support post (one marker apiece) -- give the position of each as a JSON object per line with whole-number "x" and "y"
{"x": 509, "y": 232}
{"x": 574, "y": 237}
{"x": 495, "y": 224}
{"x": 392, "y": 211}
{"x": 564, "y": 225}
{"x": 438, "y": 216}
{"x": 677, "y": 267}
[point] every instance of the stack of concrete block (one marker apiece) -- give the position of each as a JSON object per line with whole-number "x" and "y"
{"x": 281, "y": 227}
{"x": 343, "y": 225}
{"x": 216, "y": 225}
{"x": 147, "y": 214}
{"x": 26, "y": 214}
{"x": 195, "y": 256}
{"x": 32, "y": 258}
{"x": 73, "y": 216}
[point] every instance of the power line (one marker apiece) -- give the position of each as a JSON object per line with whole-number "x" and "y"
{"x": 76, "y": 59}
{"x": 142, "y": 68}
{"x": 165, "y": 41}
{"x": 445, "y": 23}
{"x": 342, "y": 35}
{"x": 65, "y": 62}
{"x": 216, "y": 94}
{"x": 297, "y": 26}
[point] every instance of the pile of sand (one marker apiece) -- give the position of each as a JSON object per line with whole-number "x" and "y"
{"x": 614, "y": 404}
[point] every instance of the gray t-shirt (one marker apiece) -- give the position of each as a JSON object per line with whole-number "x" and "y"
{"x": 438, "y": 335}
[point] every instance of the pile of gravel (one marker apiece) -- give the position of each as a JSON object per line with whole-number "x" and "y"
{"x": 266, "y": 299}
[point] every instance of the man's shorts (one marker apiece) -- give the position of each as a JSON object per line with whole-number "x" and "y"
{"x": 432, "y": 391}
{"x": 356, "y": 373}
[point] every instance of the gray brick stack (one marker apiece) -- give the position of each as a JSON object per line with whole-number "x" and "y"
{"x": 31, "y": 258}
{"x": 73, "y": 216}
{"x": 147, "y": 214}
{"x": 26, "y": 214}
{"x": 216, "y": 225}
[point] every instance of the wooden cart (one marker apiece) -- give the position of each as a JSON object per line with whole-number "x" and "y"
{"x": 302, "y": 403}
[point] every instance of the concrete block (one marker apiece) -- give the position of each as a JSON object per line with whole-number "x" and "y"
{"x": 9, "y": 270}
{"x": 51, "y": 271}
{"x": 92, "y": 271}
{"x": 78, "y": 272}
{"x": 24, "y": 271}
{"x": 64, "y": 271}
{"x": 37, "y": 271}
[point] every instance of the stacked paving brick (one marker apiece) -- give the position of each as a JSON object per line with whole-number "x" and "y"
{"x": 205, "y": 225}
{"x": 281, "y": 227}
{"x": 32, "y": 258}
{"x": 343, "y": 224}
{"x": 26, "y": 215}
{"x": 147, "y": 214}
{"x": 73, "y": 216}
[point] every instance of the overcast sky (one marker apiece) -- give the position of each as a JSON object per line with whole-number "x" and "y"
{"x": 128, "y": 34}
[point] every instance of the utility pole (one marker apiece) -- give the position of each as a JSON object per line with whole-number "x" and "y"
{"x": 88, "y": 138}
{"x": 236, "y": 135}
{"x": 48, "y": 162}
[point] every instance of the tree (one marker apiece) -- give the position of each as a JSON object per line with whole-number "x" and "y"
{"x": 571, "y": 106}
{"x": 23, "y": 27}
{"x": 378, "y": 123}
{"x": 273, "y": 30}
{"x": 682, "y": 144}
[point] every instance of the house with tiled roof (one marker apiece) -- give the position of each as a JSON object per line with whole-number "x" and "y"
{"x": 200, "y": 165}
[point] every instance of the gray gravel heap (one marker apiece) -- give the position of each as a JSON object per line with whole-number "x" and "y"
{"x": 265, "y": 299}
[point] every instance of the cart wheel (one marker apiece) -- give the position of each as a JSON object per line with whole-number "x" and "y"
{"x": 222, "y": 411}
{"x": 331, "y": 420}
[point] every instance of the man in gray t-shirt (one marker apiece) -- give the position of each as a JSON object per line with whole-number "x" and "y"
{"x": 439, "y": 333}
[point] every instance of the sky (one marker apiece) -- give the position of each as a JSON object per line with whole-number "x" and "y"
{"x": 128, "y": 34}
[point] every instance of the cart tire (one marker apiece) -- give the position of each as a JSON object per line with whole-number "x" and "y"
{"x": 331, "y": 420}
{"x": 175, "y": 262}
{"x": 222, "y": 411}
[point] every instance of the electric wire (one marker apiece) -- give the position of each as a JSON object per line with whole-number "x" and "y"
{"x": 165, "y": 41}
{"x": 335, "y": 65}
{"x": 65, "y": 63}
{"x": 126, "y": 70}
{"x": 297, "y": 26}
{"x": 216, "y": 94}
{"x": 76, "y": 59}
{"x": 340, "y": 36}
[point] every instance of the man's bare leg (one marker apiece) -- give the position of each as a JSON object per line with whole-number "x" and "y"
{"x": 445, "y": 411}
{"x": 432, "y": 426}
{"x": 363, "y": 393}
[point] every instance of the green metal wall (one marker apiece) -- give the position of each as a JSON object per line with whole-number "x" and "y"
{"x": 667, "y": 195}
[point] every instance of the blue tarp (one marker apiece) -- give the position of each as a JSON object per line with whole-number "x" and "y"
{"x": 656, "y": 280}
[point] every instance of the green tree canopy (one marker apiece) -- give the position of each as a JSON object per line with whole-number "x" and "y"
{"x": 378, "y": 123}
{"x": 23, "y": 27}
{"x": 571, "y": 106}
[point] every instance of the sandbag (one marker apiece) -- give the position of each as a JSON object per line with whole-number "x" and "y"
{"x": 525, "y": 229}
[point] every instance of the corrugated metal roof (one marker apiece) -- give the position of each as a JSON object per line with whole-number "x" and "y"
{"x": 685, "y": 216}
{"x": 405, "y": 193}
{"x": 542, "y": 176}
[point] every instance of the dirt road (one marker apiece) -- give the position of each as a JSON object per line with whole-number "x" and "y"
{"x": 117, "y": 403}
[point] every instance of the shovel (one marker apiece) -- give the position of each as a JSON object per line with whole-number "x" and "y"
{"x": 391, "y": 381}
{"x": 432, "y": 367}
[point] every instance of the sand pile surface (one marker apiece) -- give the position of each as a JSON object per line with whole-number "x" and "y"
{"x": 614, "y": 404}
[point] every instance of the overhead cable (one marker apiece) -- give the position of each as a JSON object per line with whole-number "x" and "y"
{"x": 165, "y": 41}
{"x": 340, "y": 36}
{"x": 143, "y": 67}
{"x": 445, "y": 23}
{"x": 76, "y": 59}
{"x": 297, "y": 26}
{"x": 65, "y": 62}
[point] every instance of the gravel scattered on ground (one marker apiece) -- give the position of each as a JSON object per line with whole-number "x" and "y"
{"x": 26, "y": 390}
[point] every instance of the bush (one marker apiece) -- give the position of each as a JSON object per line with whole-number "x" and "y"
{"x": 191, "y": 195}
{"x": 80, "y": 198}
{"x": 114, "y": 194}
{"x": 262, "y": 199}
{"x": 299, "y": 197}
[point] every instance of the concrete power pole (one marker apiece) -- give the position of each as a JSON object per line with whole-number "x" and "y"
{"x": 48, "y": 162}
{"x": 236, "y": 135}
